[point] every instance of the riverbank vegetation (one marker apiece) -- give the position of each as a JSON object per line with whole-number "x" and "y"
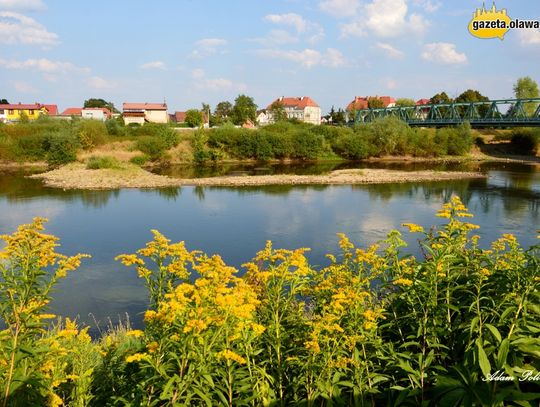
{"x": 376, "y": 326}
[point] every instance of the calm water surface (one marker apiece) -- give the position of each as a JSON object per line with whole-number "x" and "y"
{"x": 236, "y": 222}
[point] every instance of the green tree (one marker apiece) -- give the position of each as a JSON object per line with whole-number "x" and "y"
{"x": 4, "y": 102}
{"x": 206, "y": 114}
{"x": 403, "y": 102}
{"x": 223, "y": 112}
{"x": 244, "y": 109}
{"x": 527, "y": 87}
{"x": 93, "y": 102}
{"x": 194, "y": 118}
{"x": 375, "y": 103}
{"x": 440, "y": 98}
{"x": 337, "y": 117}
{"x": 471, "y": 95}
{"x": 278, "y": 111}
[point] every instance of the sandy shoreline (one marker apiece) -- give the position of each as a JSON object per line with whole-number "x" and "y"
{"x": 76, "y": 176}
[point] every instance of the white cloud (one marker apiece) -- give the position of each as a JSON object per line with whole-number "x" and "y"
{"x": 386, "y": 18}
{"x": 311, "y": 32}
{"x": 213, "y": 84}
{"x": 99, "y": 83}
{"x": 529, "y": 37}
{"x": 16, "y": 28}
{"x": 23, "y": 87}
{"x": 307, "y": 57}
{"x": 389, "y": 50}
{"x": 340, "y": 8}
{"x": 428, "y": 5}
{"x": 32, "y": 5}
{"x": 153, "y": 65}
{"x": 197, "y": 73}
{"x": 208, "y": 46}
{"x": 443, "y": 53}
{"x": 43, "y": 65}
{"x": 390, "y": 83}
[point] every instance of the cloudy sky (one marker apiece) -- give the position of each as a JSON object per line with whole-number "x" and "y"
{"x": 192, "y": 51}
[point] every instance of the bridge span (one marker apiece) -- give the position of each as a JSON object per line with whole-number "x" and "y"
{"x": 491, "y": 113}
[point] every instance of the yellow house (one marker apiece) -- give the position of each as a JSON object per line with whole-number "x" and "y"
{"x": 14, "y": 112}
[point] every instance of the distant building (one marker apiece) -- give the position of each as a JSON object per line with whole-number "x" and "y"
{"x": 422, "y": 102}
{"x": 145, "y": 112}
{"x": 13, "y": 112}
{"x": 301, "y": 108}
{"x": 360, "y": 102}
{"x": 178, "y": 117}
{"x": 264, "y": 117}
{"x": 72, "y": 111}
{"x": 96, "y": 113}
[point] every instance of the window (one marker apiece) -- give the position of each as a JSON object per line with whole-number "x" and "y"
{"x": 11, "y": 111}
{"x": 30, "y": 112}
{"x": 1, "y": 111}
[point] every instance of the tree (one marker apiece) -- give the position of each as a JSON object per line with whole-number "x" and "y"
{"x": 471, "y": 95}
{"x": 375, "y": 103}
{"x": 337, "y": 117}
{"x": 404, "y": 102}
{"x": 277, "y": 110}
{"x": 244, "y": 109}
{"x": 4, "y": 102}
{"x": 524, "y": 88}
{"x": 223, "y": 112}
{"x": 93, "y": 102}
{"x": 194, "y": 118}
{"x": 206, "y": 114}
{"x": 440, "y": 98}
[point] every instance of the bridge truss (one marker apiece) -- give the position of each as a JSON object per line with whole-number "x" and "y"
{"x": 491, "y": 113}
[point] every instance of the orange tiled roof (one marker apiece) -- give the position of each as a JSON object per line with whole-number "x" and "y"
{"x": 296, "y": 102}
{"x": 72, "y": 111}
{"x": 145, "y": 106}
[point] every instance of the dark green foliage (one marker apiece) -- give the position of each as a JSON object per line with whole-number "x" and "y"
{"x": 194, "y": 118}
{"x": 353, "y": 145}
{"x": 115, "y": 127}
{"x": 244, "y": 109}
{"x": 139, "y": 160}
{"x": 152, "y": 146}
{"x": 525, "y": 141}
{"x": 61, "y": 148}
{"x": 168, "y": 137}
{"x": 459, "y": 140}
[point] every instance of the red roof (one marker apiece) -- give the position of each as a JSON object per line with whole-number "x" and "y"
{"x": 422, "y": 102}
{"x": 72, "y": 111}
{"x": 180, "y": 117}
{"x": 145, "y": 106}
{"x": 22, "y": 106}
{"x": 298, "y": 102}
{"x": 52, "y": 109}
{"x": 360, "y": 102}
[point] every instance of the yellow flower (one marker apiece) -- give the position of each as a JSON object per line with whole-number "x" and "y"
{"x": 485, "y": 272}
{"x": 136, "y": 333}
{"x": 413, "y": 228}
{"x": 443, "y": 213}
{"x": 55, "y": 400}
{"x": 136, "y": 357}
{"x": 46, "y": 316}
{"x": 313, "y": 346}
{"x": 403, "y": 281}
{"x": 152, "y": 347}
{"x": 368, "y": 325}
{"x": 150, "y": 315}
{"x": 230, "y": 355}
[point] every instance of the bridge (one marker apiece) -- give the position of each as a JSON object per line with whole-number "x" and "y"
{"x": 478, "y": 114}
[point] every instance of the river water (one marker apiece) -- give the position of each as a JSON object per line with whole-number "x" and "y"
{"x": 236, "y": 222}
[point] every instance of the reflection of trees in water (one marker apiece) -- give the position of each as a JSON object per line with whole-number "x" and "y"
{"x": 169, "y": 193}
{"x": 17, "y": 187}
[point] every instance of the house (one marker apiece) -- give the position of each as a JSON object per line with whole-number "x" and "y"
{"x": 72, "y": 111}
{"x": 180, "y": 117}
{"x": 360, "y": 103}
{"x": 96, "y": 113}
{"x": 141, "y": 113}
{"x": 301, "y": 108}
{"x": 422, "y": 102}
{"x": 264, "y": 117}
{"x": 14, "y": 112}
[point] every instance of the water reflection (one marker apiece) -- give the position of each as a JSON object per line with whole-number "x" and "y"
{"x": 236, "y": 222}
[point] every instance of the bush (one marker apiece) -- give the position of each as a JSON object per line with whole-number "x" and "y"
{"x": 525, "y": 141}
{"x": 153, "y": 147}
{"x": 100, "y": 162}
{"x": 32, "y": 147}
{"x": 460, "y": 140}
{"x": 115, "y": 127}
{"x": 390, "y": 135}
{"x": 91, "y": 133}
{"x": 139, "y": 160}
{"x": 352, "y": 145}
{"x": 307, "y": 145}
{"x": 168, "y": 136}
{"x": 61, "y": 148}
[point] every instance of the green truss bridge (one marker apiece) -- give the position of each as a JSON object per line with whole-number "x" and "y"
{"x": 491, "y": 113}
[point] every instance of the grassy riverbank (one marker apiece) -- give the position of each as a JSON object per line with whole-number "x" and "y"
{"x": 375, "y": 327}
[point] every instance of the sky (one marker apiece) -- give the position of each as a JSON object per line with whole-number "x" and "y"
{"x": 187, "y": 52}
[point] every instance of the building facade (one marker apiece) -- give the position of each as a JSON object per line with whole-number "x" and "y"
{"x": 301, "y": 108}
{"x": 16, "y": 112}
{"x": 141, "y": 113}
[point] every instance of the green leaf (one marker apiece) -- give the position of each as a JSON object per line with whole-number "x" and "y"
{"x": 483, "y": 360}
{"x": 502, "y": 354}
{"x": 495, "y": 332}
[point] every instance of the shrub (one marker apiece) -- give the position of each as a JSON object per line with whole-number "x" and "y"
{"x": 525, "y": 141}
{"x": 32, "y": 147}
{"x": 139, "y": 160}
{"x": 307, "y": 145}
{"x": 389, "y": 135}
{"x": 153, "y": 147}
{"x": 168, "y": 136}
{"x": 61, "y": 148}
{"x": 91, "y": 133}
{"x": 100, "y": 162}
{"x": 115, "y": 127}
{"x": 353, "y": 146}
{"x": 460, "y": 140}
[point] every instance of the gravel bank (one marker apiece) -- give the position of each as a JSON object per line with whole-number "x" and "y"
{"x": 76, "y": 176}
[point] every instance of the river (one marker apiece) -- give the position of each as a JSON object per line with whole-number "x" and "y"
{"x": 236, "y": 222}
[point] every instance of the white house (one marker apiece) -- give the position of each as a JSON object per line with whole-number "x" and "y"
{"x": 145, "y": 112}
{"x": 96, "y": 113}
{"x": 301, "y": 108}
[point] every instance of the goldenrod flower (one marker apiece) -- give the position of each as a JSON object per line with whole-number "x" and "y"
{"x": 230, "y": 355}
{"x": 413, "y": 228}
{"x": 403, "y": 281}
{"x": 136, "y": 333}
{"x": 137, "y": 357}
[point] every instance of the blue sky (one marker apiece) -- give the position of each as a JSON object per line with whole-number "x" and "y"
{"x": 188, "y": 52}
